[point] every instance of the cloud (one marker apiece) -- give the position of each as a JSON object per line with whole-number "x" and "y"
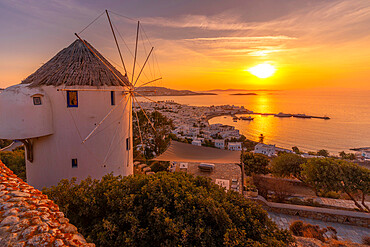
{"x": 316, "y": 27}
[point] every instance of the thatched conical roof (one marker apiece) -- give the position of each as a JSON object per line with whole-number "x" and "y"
{"x": 76, "y": 65}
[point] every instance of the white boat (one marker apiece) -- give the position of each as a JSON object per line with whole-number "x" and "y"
{"x": 247, "y": 118}
{"x": 281, "y": 114}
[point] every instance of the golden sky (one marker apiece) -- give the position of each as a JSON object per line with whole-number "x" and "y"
{"x": 202, "y": 45}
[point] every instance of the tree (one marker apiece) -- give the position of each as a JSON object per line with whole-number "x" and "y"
{"x": 255, "y": 163}
{"x": 155, "y": 142}
{"x": 287, "y": 164}
{"x": 323, "y": 152}
{"x": 15, "y": 161}
{"x": 261, "y": 138}
{"x": 326, "y": 174}
{"x": 349, "y": 156}
{"x": 4, "y": 143}
{"x": 296, "y": 150}
{"x": 165, "y": 209}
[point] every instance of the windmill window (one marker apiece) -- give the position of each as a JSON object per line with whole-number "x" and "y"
{"x": 37, "y": 101}
{"x": 112, "y": 98}
{"x": 74, "y": 163}
{"x": 72, "y": 99}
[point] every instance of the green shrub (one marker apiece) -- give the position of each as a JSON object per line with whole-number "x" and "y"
{"x": 300, "y": 229}
{"x": 165, "y": 209}
{"x": 15, "y": 161}
{"x": 330, "y": 194}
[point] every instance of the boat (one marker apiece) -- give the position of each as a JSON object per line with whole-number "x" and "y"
{"x": 301, "y": 116}
{"x": 235, "y": 118}
{"x": 247, "y": 118}
{"x": 281, "y": 114}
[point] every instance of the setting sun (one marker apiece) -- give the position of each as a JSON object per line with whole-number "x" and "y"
{"x": 262, "y": 70}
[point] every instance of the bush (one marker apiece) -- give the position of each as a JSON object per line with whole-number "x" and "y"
{"x": 15, "y": 161}
{"x": 255, "y": 163}
{"x": 165, "y": 209}
{"x": 300, "y": 229}
{"x": 330, "y": 194}
{"x": 287, "y": 164}
{"x": 4, "y": 143}
{"x": 158, "y": 166}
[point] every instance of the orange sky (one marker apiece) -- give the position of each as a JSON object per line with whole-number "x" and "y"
{"x": 312, "y": 45}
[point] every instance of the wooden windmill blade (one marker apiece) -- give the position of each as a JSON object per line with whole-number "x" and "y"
{"x": 131, "y": 84}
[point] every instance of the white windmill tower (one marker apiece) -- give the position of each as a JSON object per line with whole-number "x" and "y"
{"x": 74, "y": 115}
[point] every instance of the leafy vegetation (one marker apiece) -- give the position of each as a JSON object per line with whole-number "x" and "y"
{"x": 328, "y": 174}
{"x": 323, "y": 152}
{"x": 255, "y": 163}
{"x": 300, "y": 229}
{"x": 288, "y": 164}
{"x": 347, "y": 156}
{"x": 165, "y": 209}
{"x": 155, "y": 141}
{"x": 15, "y": 161}
{"x": 4, "y": 143}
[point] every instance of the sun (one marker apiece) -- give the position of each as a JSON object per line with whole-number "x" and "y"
{"x": 263, "y": 70}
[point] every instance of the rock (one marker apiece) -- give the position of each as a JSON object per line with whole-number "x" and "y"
{"x": 4, "y": 231}
{"x": 16, "y": 199}
{"x": 43, "y": 239}
{"x": 36, "y": 220}
{"x": 68, "y": 228}
{"x": 43, "y": 209}
{"x": 23, "y": 224}
{"x": 63, "y": 220}
{"x": 53, "y": 223}
{"x": 20, "y": 244}
{"x": 12, "y": 211}
{"x": 19, "y": 194}
{"x": 79, "y": 238}
{"x": 43, "y": 227}
{"x": 28, "y": 231}
{"x": 10, "y": 220}
{"x": 58, "y": 243}
{"x": 45, "y": 217}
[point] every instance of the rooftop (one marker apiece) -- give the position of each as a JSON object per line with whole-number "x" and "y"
{"x": 77, "y": 65}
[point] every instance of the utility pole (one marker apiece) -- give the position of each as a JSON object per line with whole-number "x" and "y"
{"x": 243, "y": 173}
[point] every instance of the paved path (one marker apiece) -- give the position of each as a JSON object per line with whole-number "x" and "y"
{"x": 345, "y": 232}
{"x": 338, "y": 202}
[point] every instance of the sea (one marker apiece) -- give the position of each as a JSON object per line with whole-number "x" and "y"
{"x": 348, "y": 126}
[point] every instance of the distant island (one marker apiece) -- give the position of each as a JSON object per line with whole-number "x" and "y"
{"x": 243, "y": 94}
{"x": 231, "y": 89}
{"x": 162, "y": 91}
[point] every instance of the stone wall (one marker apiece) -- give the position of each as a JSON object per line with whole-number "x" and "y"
{"x": 221, "y": 171}
{"x": 29, "y": 218}
{"x": 323, "y": 214}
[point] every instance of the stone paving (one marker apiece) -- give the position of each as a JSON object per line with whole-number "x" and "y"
{"x": 345, "y": 232}
{"x": 338, "y": 202}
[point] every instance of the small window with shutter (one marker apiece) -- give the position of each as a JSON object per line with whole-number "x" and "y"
{"x": 72, "y": 99}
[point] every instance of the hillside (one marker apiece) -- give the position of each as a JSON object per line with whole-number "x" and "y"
{"x": 162, "y": 91}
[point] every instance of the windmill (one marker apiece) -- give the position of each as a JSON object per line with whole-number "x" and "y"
{"x": 74, "y": 114}
{"x": 133, "y": 81}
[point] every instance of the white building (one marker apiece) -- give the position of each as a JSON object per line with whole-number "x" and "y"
{"x": 196, "y": 142}
{"x": 265, "y": 149}
{"x": 235, "y": 146}
{"x": 220, "y": 143}
{"x": 365, "y": 153}
{"x": 56, "y": 108}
